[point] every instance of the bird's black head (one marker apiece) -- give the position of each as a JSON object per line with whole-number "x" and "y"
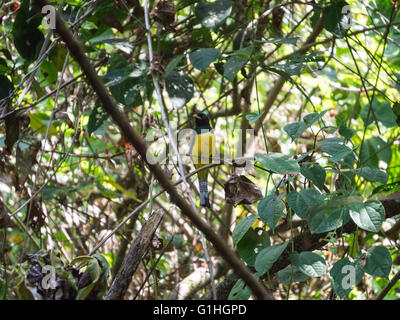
{"x": 201, "y": 120}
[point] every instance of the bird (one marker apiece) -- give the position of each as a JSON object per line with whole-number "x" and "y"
{"x": 202, "y": 151}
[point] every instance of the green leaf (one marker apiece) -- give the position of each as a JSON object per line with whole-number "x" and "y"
{"x": 74, "y": 2}
{"x": 246, "y": 246}
{"x": 242, "y": 227}
{"x": 296, "y": 62}
{"x": 301, "y": 202}
{"x": 84, "y": 292}
{"x": 373, "y": 150}
{"x": 49, "y": 71}
{"x": 115, "y": 77}
{"x": 368, "y": 215}
{"x": 295, "y": 129}
{"x": 118, "y": 61}
{"x": 253, "y": 116}
{"x": 378, "y": 262}
{"x": 311, "y": 264}
{"x": 291, "y": 274}
{"x": 270, "y": 209}
{"x": 213, "y": 14}
{"x": 96, "y": 119}
{"x": 315, "y": 173}
{"x": 101, "y": 38}
{"x": 372, "y": 174}
{"x": 201, "y": 38}
{"x": 232, "y": 66}
{"x": 240, "y": 291}
{"x": 336, "y": 149}
{"x": 28, "y": 44}
{"x": 119, "y": 71}
{"x": 277, "y": 162}
{"x": 94, "y": 269}
{"x": 244, "y": 52}
{"x": 337, "y": 19}
{"x": 128, "y": 92}
{"x": 311, "y": 118}
{"x": 105, "y": 267}
{"x": 173, "y": 64}
{"x": 28, "y": 40}
{"x": 105, "y": 272}
{"x": 266, "y": 257}
{"x": 202, "y": 58}
{"x": 84, "y": 260}
{"x": 346, "y": 132}
{"x": 325, "y": 218}
{"x": 383, "y": 113}
{"x": 292, "y": 69}
{"x": 251, "y": 241}
{"x": 345, "y": 275}
{"x": 126, "y": 80}
{"x": 39, "y": 122}
{"x": 110, "y": 194}
{"x": 61, "y": 237}
{"x": 180, "y": 89}
{"x": 6, "y": 87}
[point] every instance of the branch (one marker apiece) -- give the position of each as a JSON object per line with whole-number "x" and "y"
{"x": 133, "y": 137}
{"x": 136, "y": 253}
{"x": 388, "y": 286}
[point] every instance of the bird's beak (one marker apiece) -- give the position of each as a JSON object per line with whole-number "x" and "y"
{"x": 196, "y": 116}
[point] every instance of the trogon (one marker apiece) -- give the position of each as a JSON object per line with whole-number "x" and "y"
{"x": 202, "y": 151}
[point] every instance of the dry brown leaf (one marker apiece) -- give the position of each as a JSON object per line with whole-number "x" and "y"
{"x": 240, "y": 190}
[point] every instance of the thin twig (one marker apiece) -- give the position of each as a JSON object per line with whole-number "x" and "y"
{"x": 389, "y": 286}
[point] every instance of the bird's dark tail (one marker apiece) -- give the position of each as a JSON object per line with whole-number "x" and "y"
{"x": 204, "y": 201}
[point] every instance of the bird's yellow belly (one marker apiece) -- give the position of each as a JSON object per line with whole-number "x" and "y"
{"x": 202, "y": 152}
